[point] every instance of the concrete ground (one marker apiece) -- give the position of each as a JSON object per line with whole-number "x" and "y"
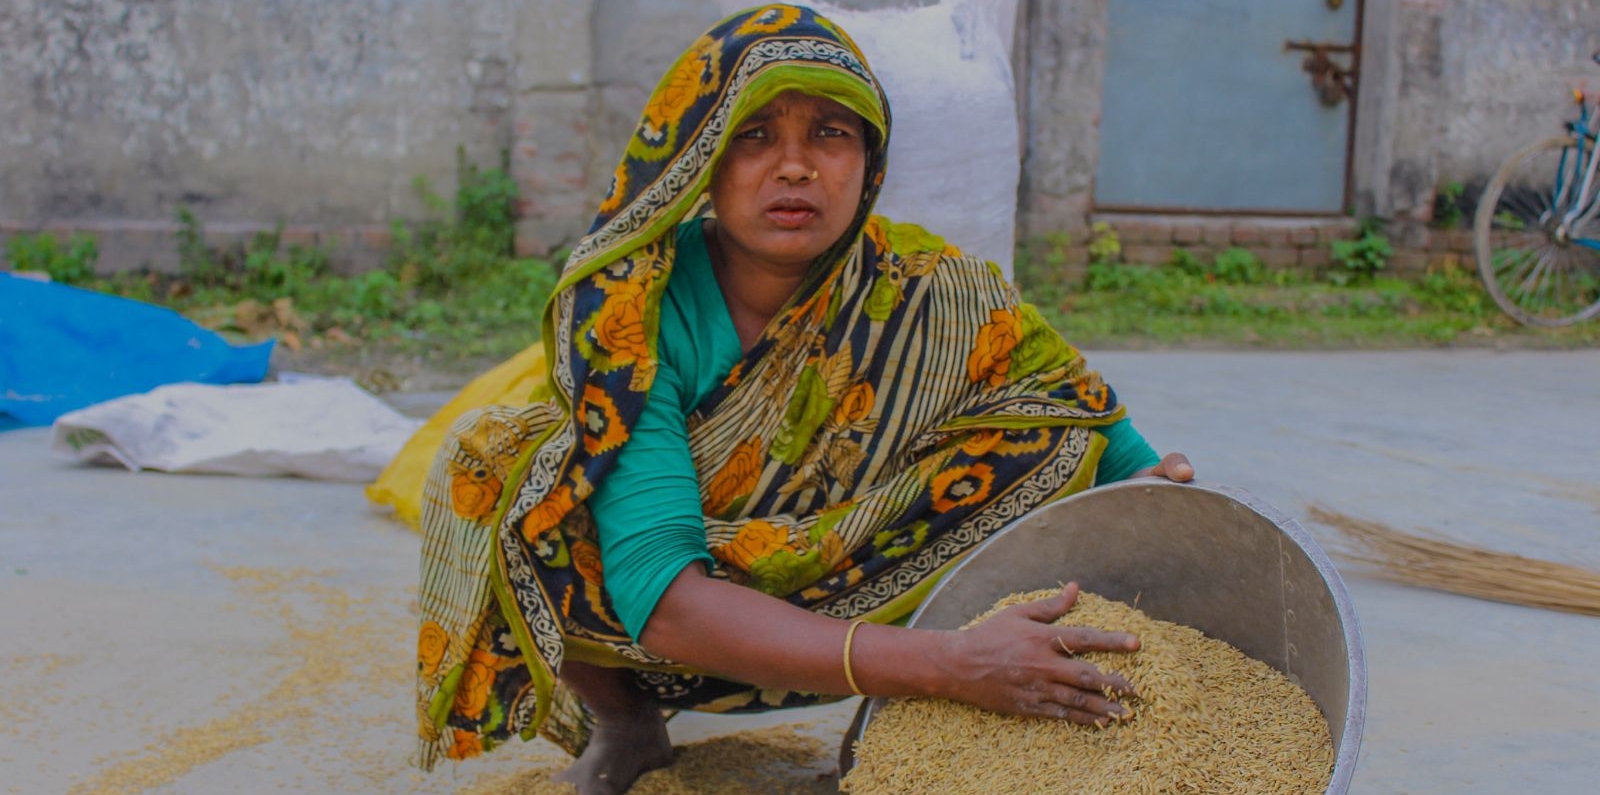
{"x": 183, "y": 634}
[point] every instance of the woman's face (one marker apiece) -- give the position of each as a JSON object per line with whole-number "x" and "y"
{"x": 789, "y": 181}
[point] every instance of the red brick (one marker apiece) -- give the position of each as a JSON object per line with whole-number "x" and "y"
{"x": 1301, "y": 235}
{"x": 1327, "y": 233}
{"x": 1274, "y": 237}
{"x": 1245, "y": 234}
{"x": 1184, "y": 234}
{"x": 1460, "y": 240}
{"x": 1409, "y": 261}
{"x": 1315, "y": 257}
{"x": 299, "y": 236}
{"x": 1145, "y": 254}
{"x": 1218, "y": 234}
{"x": 1447, "y": 261}
{"x": 376, "y": 237}
{"x": 1279, "y": 257}
{"x": 1136, "y": 232}
{"x": 143, "y": 235}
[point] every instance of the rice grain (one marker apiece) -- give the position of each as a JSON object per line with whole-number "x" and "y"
{"x": 1208, "y": 719}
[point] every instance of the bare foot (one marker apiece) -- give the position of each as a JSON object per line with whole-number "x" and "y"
{"x": 619, "y": 753}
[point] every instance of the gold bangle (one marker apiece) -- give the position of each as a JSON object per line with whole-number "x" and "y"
{"x": 849, "y": 640}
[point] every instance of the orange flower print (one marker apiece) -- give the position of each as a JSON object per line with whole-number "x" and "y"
{"x": 431, "y": 643}
{"x": 474, "y": 493}
{"x": 990, "y": 360}
{"x": 874, "y": 231}
{"x": 693, "y": 76}
{"x": 1092, "y": 391}
{"x": 472, "y": 694}
{"x": 855, "y": 404}
{"x": 737, "y": 478}
{"x": 619, "y": 189}
{"x": 962, "y": 486}
{"x": 467, "y": 745}
{"x": 756, "y": 540}
{"x": 586, "y": 558}
{"x": 602, "y": 425}
{"x": 979, "y": 443}
{"x": 547, "y": 514}
{"x": 619, "y": 325}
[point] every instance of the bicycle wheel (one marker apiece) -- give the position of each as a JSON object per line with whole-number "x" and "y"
{"x": 1539, "y": 269}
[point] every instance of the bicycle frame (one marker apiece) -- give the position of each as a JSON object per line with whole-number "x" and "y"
{"x": 1586, "y": 204}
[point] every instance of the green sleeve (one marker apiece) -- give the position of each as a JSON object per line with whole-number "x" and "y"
{"x": 647, "y": 510}
{"x": 1126, "y": 453}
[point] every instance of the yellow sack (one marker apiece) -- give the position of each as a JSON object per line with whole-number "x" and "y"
{"x": 514, "y": 382}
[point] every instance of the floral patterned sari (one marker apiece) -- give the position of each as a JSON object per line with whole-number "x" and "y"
{"x": 901, "y": 408}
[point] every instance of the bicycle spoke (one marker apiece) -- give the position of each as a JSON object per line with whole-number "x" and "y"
{"x": 1531, "y": 235}
{"x": 1529, "y": 286}
{"x": 1525, "y": 209}
{"x": 1518, "y": 262}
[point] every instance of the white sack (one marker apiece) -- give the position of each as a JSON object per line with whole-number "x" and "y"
{"x": 323, "y": 428}
{"x": 954, "y": 156}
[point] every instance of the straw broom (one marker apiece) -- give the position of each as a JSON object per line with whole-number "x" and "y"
{"x": 1431, "y": 561}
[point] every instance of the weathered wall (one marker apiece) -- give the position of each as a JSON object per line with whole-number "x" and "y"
{"x": 1451, "y": 87}
{"x": 320, "y": 114}
{"x": 1060, "y": 66}
{"x": 300, "y": 110}
{"x": 1504, "y": 71}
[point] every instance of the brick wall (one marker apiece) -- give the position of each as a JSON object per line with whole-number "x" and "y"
{"x": 1279, "y": 242}
{"x": 1146, "y": 239}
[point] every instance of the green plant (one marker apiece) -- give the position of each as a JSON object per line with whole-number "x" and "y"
{"x": 68, "y": 263}
{"x": 260, "y": 268}
{"x": 1454, "y": 290}
{"x": 1187, "y": 261}
{"x": 467, "y": 237}
{"x": 1509, "y": 221}
{"x": 1104, "y": 244}
{"x": 1238, "y": 266}
{"x": 1039, "y": 268}
{"x": 194, "y": 256}
{"x": 1447, "y": 207}
{"x": 1359, "y": 260}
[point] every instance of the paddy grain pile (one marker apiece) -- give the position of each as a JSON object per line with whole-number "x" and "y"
{"x": 1207, "y": 719}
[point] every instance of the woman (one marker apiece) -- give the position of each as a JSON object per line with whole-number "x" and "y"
{"x": 774, "y": 425}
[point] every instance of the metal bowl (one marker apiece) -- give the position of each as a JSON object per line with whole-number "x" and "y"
{"x": 1207, "y": 556}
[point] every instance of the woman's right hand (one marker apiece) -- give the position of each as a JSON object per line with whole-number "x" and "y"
{"x": 1017, "y": 662}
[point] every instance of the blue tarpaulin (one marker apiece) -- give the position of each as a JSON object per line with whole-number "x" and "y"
{"x": 62, "y": 348}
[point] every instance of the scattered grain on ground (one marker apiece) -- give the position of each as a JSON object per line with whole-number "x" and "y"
{"x": 340, "y": 645}
{"x": 778, "y": 760}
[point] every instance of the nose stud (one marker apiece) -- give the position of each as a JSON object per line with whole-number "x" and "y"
{"x": 813, "y": 177}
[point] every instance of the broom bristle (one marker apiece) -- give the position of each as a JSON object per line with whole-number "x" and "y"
{"x": 1431, "y": 561}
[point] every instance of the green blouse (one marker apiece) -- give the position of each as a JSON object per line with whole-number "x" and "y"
{"x": 647, "y": 510}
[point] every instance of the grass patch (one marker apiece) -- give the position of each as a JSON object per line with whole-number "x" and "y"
{"x": 451, "y": 290}
{"x": 453, "y": 299}
{"x": 1233, "y": 301}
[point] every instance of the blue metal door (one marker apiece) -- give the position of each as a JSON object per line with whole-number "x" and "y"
{"x": 1227, "y": 105}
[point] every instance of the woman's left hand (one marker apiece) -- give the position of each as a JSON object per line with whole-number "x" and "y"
{"x": 1174, "y": 467}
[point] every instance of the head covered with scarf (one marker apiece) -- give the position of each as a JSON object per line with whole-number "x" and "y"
{"x": 902, "y": 406}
